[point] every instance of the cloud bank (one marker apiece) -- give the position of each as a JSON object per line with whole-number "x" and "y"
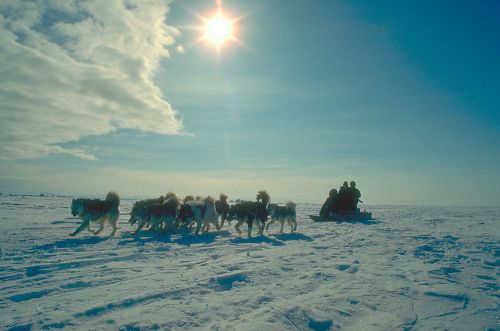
{"x": 70, "y": 69}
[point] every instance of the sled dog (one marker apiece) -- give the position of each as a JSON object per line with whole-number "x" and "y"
{"x": 222, "y": 208}
{"x": 159, "y": 216}
{"x": 283, "y": 214}
{"x": 136, "y": 216}
{"x": 251, "y": 212}
{"x": 92, "y": 210}
{"x": 201, "y": 212}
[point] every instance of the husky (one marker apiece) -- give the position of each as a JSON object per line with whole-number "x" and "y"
{"x": 201, "y": 212}
{"x": 251, "y": 212}
{"x": 243, "y": 212}
{"x": 91, "y": 210}
{"x": 283, "y": 214}
{"x": 160, "y": 217}
{"x": 136, "y": 216}
{"x": 222, "y": 208}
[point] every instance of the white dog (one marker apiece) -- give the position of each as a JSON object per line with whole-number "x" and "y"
{"x": 202, "y": 212}
{"x": 93, "y": 210}
{"x": 283, "y": 214}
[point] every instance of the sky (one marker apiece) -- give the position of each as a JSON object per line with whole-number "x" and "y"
{"x": 402, "y": 97}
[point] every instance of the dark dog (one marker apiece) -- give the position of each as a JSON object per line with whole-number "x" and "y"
{"x": 250, "y": 212}
{"x": 222, "y": 208}
{"x": 160, "y": 217}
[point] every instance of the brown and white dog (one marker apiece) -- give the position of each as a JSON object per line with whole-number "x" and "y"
{"x": 96, "y": 210}
{"x": 283, "y": 214}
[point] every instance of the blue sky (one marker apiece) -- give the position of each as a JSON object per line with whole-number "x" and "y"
{"x": 402, "y": 97}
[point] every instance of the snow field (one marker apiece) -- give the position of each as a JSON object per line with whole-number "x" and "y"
{"x": 414, "y": 268}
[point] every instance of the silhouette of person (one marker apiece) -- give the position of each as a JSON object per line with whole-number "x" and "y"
{"x": 329, "y": 204}
{"x": 354, "y": 195}
{"x": 344, "y": 197}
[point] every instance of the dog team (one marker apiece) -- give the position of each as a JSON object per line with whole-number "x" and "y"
{"x": 170, "y": 213}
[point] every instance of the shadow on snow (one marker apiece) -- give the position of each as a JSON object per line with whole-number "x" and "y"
{"x": 291, "y": 236}
{"x": 72, "y": 242}
{"x": 257, "y": 240}
{"x": 181, "y": 238}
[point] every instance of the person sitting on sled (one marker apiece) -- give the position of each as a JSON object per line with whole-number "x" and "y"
{"x": 330, "y": 204}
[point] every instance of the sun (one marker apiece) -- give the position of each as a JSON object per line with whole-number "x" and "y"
{"x": 218, "y": 30}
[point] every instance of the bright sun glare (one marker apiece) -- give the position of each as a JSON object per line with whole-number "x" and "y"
{"x": 218, "y": 29}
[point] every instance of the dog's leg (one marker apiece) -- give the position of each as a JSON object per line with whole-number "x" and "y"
{"x": 162, "y": 225}
{"x": 90, "y": 230}
{"x": 101, "y": 226}
{"x": 250, "y": 223}
{"x": 176, "y": 224}
{"x": 167, "y": 227}
{"x": 261, "y": 224}
{"x": 269, "y": 223}
{"x": 85, "y": 224}
{"x": 198, "y": 226}
{"x": 113, "y": 224}
{"x": 142, "y": 223}
{"x": 237, "y": 227}
{"x": 114, "y": 220}
{"x": 216, "y": 223}
{"x": 156, "y": 221}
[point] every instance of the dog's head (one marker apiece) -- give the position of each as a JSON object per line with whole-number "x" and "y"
{"x": 137, "y": 210}
{"x": 75, "y": 206}
{"x": 264, "y": 196}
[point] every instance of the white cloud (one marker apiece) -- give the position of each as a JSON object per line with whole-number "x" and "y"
{"x": 180, "y": 49}
{"x": 70, "y": 69}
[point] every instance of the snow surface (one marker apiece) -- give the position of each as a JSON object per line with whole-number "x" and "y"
{"x": 416, "y": 268}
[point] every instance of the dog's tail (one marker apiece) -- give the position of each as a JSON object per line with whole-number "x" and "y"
{"x": 290, "y": 205}
{"x": 114, "y": 198}
{"x": 188, "y": 198}
{"x": 170, "y": 195}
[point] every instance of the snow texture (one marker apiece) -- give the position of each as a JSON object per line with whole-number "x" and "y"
{"x": 414, "y": 268}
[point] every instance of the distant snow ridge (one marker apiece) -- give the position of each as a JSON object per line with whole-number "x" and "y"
{"x": 417, "y": 268}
